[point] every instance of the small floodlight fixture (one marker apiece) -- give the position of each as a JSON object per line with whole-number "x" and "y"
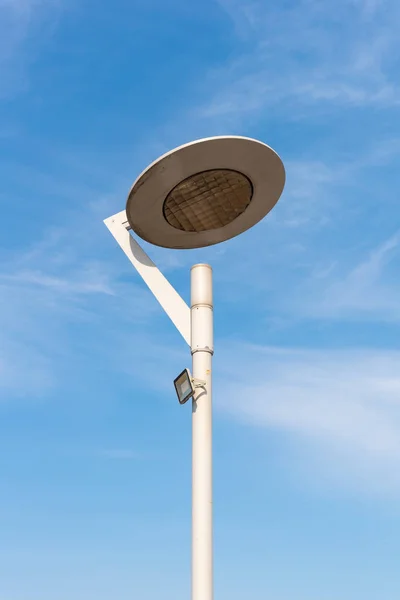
{"x": 185, "y": 386}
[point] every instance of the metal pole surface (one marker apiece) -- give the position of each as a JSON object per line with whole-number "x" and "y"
{"x": 202, "y": 348}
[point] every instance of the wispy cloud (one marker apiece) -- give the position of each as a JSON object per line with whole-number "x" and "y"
{"x": 307, "y": 54}
{"x": 88, "y": 281}
{"x": 21, "y": 22}
{"x": 368, "y": 291}
{"x": 50, "y": 287}
{"x": 344, "y": 404}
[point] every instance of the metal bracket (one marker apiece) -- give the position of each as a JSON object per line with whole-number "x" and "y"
{"x": 172, "y": 303}
{"x": 198, "y": 383}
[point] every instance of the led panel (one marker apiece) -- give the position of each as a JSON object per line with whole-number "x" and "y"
{"x": 208, "y": 200}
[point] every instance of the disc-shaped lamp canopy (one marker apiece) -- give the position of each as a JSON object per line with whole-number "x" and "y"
{"x": 205, "y": 192}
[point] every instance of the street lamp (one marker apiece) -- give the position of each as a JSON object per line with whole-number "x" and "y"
{"x": 197, "y": 195}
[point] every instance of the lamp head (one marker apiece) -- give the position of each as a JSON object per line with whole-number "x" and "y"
{"x": 205, "y": 192}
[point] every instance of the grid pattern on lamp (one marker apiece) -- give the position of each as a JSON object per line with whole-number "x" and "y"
{"x": 208, "y": 200}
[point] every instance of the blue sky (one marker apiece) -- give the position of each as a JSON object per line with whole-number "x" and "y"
{"x": 94, "y": 448}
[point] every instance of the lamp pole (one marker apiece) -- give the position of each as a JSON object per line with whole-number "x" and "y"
{"x": 202, "y": 349}
{"x": 199, "y": 194}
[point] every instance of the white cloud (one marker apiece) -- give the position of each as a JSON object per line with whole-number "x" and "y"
{"x": 367, "y": 291}
{"x": 47, "y": 289}
{"x": 21, "y": 22}
{"x": 89, "y": 280}
{"x": 343, "y": 404}
{"x": 307, "y": 54}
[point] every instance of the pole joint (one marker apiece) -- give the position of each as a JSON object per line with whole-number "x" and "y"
{"x": 205, "y": 349}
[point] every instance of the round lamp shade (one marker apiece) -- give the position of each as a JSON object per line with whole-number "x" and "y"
{"x": 205, "y": 192}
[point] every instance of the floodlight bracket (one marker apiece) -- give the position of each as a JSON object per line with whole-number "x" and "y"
{"x": 172, "y": 303}
{"x": 198, "y": 383}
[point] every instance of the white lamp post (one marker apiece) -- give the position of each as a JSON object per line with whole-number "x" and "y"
{"x": 197, "y": 195}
